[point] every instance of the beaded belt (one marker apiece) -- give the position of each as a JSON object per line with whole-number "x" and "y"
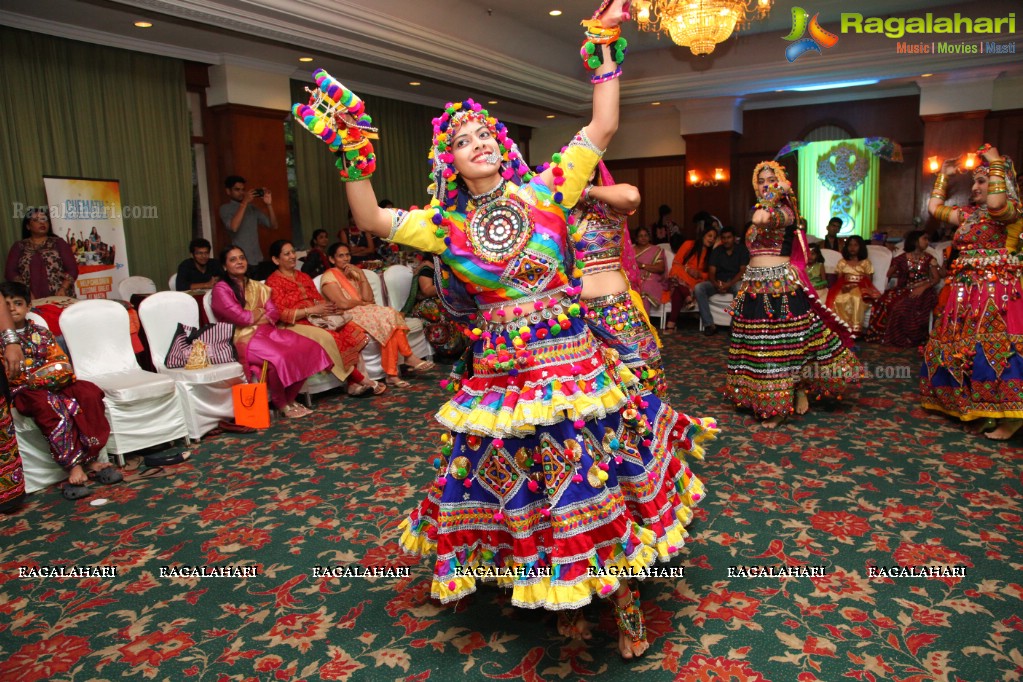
{"x": 763, "y": 273}
{"x": 773, "y": 279}
{"x": 592, "y": 266}
{"x": 608, "y": 300}
{"x": 552, "y": 310}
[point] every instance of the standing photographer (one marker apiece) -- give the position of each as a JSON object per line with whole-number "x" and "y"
{"x": 243, "y": 219}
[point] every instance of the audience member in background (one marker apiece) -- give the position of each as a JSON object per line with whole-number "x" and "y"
{"x": 854, "y": 289}
{"x": 899, "y": 317}
{"x": 650, "y": 261}
{"x": 316, "y": 261}
{"x": 198, "y": 272}
{"x": 247, "y": 304}
{"x": 69, "y": 412}
{"x": 662, "y": 231}
{"x": 12, "y": 475}
{"x": 243, "y": 220}
{"x": 301, "y": 307}
{"x": 831, "y": 240}
{"x": 347, "y": 287}
{"x": 361, "y": 244}
{"x": 815, "y": 270}
{"x": 688, "y": 269}
{"x": 423, "y": 302}
{"x": 725, "y": 270}
{"x": 42, "y": 261}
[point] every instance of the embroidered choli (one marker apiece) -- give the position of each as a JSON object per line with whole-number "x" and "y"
{"x": 511, "y": 249}
{"x": 600, "y": 247}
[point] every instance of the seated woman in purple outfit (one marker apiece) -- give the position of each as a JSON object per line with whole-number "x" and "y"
{"x": 247, "y": 305}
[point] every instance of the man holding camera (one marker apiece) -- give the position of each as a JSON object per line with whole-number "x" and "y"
{"x": 243, "y": 219}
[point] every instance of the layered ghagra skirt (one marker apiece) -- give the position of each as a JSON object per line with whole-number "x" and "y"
{"x": 618, "y": 323}
{"x": 781, "y": 343}
{"x": 556, "y": 477}
{"x": 973, "y": 362}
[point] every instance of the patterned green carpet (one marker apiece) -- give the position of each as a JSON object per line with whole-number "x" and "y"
{"x": 875, "y": 481}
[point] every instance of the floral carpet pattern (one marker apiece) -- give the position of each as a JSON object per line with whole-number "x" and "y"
{"x": 873, "y": 481}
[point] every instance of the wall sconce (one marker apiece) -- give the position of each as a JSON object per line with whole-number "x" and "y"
{"x": 970, "y": 162}
{"x": 719, "y": 178}
{"x": 932, "y": 164}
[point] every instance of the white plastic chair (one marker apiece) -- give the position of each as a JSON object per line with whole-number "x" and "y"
{"x": 205, "y": 393}
{"x": 36, "y": 461}
{"x": 881, "y": 259}
{"x": 831, "y": 258}
{"x": 142, "y": 407}
{"x": 398, "y": 282}
{"x": 207, "y": 305}
{"x": 719, "y": 305}
{"x": 376, "y": 284}
{"x": 172, "y": 283}
{"x": 134, "y": 285}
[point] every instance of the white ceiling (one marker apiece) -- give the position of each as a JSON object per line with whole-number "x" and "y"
{"x": 510, "y": 51}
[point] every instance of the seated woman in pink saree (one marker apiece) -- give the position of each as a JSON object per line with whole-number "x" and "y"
{"x": 247, "y": 305}
{"x": 346, "y": 287}
{"x": 650, "y": 261}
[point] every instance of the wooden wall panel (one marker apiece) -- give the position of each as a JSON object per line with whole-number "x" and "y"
{"x": 249, "y": 141}
{"x": 659, "y": 180}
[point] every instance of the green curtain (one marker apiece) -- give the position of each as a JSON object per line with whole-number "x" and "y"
{"x": 402, "y": 176}
{"x": 80, "y": 110}
{"x": 815, "y": 197}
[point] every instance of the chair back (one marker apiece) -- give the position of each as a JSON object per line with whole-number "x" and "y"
{"x": 377, "y": 286}
{"x": 99, "y": 338}
{"x": 172, "y": 283}
{"x": 831, "y": 258}
{"x": 37, "y": 318}
{"x": 317, "y": 281}
{"x": 669, "y": 258}
{"x": 881, "y": 259}
{"x": 398, "y": 280}
{"x": 207, "y": 305}
{"x": 160, "y": 315}
{"x": 135, "y": 285}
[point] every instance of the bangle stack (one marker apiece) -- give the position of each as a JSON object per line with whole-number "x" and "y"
{"x": 944, "y": 213}
{"x": 10, "y": 337}
{"x": 940, "y": 186}
{"x": 591, "y": 51}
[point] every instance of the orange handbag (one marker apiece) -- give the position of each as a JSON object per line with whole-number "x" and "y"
{"x": 252, "y": 403}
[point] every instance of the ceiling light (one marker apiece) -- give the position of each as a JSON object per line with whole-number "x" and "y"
{"x": 655, "y": 104}
{"x": 550, "y": 115}
{"x": 926, "y": 75}
{"x": 143, "y": 24}
{"x": 414, "y": 83}
{"x": 492, "y": 101}
{"x": 699, "y": 24}
{"x": 555, "y": 12}
{"x": 832, "y": 86}
{"x": 305, "y": 59}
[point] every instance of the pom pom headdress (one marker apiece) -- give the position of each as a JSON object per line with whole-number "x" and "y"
{"x": 779, "y": 172}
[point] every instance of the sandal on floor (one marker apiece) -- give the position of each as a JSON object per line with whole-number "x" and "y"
{"x": 75, "y": 492}
{"x": 630, "y": 621}
{"x": 160, "y": 460}
{"x": 234, "y": 427}
{"x": 398, "y": 382}
{"x": 379, "y": 387}
{"x": 107, "y": 475}
{"x": 424, "y": 366}
{"x": 355, "y": 390}
{"x": 978, "y": 426}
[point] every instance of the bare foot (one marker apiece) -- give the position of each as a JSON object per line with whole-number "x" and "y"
{"x": 77, "y": 475}
{"x": 802, "y": 402}
{"x": 979, "y": 426}
{"x": 571, "y": 624}
{"x": 631, "y": 628}
{"x": 774, "y": 422}
{"x": 1006, "y": 429}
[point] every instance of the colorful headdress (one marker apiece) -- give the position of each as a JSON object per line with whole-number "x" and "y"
{"x": 444, "y": 187}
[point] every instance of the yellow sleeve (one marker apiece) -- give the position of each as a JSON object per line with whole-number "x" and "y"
{"x": 1012, "y": 235}
{"x": 578, "y": 163}
{"x": 416, "y": 230}
{"x": 868, "y": 267}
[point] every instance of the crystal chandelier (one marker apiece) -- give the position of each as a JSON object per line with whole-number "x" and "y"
{"x": 699, "y": 24}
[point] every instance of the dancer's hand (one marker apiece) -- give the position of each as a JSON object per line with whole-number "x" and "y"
{"x": 990, "y": 153}
{"x": 949, "y": 167}
{"x": 612, "y": 13}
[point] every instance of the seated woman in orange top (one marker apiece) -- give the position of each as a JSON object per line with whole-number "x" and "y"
{"x": 688, "y": 269}
{"x": 346, "y": 286}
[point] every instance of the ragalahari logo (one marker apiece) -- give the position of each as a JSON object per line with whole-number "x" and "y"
{"x": 818, "y": 36}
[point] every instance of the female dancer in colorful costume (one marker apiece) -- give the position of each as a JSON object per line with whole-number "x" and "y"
{"x": 603, "y": 251}
{"x": 973, "y": 366}
{"x": 556, "y": 469}
{"x": 786, "y": 345}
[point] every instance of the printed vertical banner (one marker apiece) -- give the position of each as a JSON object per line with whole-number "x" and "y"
{"x": 87, "y": 214}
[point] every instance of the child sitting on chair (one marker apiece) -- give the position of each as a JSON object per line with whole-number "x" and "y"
{"x": 68, "y": 412}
